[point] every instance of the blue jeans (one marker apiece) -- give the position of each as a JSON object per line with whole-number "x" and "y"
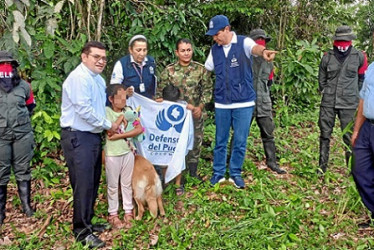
{"x": 239, "y": 119}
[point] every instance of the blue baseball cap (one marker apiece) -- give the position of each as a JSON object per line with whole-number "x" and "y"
{"x": 216, "y": 24}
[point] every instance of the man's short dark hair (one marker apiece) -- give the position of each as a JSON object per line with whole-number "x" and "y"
{"x": 92, "y": 44}
{"x": 171, "y": 93}
{"x": 182, "y": 40}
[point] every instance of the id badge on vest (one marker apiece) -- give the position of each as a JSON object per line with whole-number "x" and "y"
{"x": 234, "y": 62}
{"x": 142, "y": 87}
{"x": 140, "y": 74}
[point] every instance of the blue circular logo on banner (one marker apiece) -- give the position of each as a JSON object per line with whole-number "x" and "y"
{"x": 175, "y": 113}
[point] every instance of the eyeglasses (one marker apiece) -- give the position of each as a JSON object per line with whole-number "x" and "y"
{"x": 98, "y": 58}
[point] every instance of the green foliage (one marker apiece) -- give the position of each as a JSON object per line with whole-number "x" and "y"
{"x": 162, "y": 25}
{"x": 295, "y": 211}
{"x": 366, "y": 28}
{"x": 298, "y": 80}
{"x": 45, "y": 64}
{"x": 273, "y": 212}
{"x": 49, "y": 171}
{"x": 46, "y": 37}
{"x": 242, "y": 14}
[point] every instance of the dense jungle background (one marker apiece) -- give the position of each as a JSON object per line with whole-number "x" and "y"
{"x": 298, "y": 210}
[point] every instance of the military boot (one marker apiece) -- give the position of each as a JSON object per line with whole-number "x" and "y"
{"x": 271, "y": 161}
{"x": 2, "y": 203}
{"x": 24, "y": 190}
{"x": 324, "y": 148}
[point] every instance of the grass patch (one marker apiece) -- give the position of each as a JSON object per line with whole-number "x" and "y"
{"x": 298, "y": 210}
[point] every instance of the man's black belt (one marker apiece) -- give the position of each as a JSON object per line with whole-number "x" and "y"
{"x": 69, "y": 129}
{"x": 370, "y": 120}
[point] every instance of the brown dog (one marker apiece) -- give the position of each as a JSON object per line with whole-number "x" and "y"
{"x": 147, "y": 187}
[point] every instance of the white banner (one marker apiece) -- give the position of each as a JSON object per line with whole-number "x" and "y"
{"x": 168, "y": 133}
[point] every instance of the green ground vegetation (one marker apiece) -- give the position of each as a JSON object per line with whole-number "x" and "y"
{"x": 298, "y": 210}
{"x": 293, "y": 211}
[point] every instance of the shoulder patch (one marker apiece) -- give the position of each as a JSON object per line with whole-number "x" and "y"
{"x": 171, "y": 68}
{"x": 170, "y": 65}
{"x": 199, "y": 64}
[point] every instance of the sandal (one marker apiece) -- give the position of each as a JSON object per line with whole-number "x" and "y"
{"x": 179, "y": 190}
{"x": 128, "y": 218}
{"x": 115, "y": 222}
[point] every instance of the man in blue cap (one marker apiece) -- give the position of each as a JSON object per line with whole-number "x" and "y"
{"x": 234, "y": 95}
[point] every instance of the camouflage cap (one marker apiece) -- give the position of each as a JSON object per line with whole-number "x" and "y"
{"x": 259, "y": 33}
{"x": 6, "y": 56}
{"x": 344, "y": 33}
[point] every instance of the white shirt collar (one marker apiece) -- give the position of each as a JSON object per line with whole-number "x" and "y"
{"x": 234, "y": 39}
{"x": 84, "y": 67}
{"x": 133, "y": 61}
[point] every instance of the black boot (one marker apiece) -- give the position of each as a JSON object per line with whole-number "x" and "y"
{"x": 2, "y": 203}
{"x": 275, "y": 167}
{"x": 160, "y": 174}
{"x": 192, "y": 167}
{"x": 269, "y": 148}
{"x": 24, "y": 190}
{"x": 324, "y": 149}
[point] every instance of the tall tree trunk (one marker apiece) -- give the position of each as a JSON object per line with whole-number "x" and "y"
{"x": 81, "y": 16}
{"x": 98, "y": 29}
{"x": 280, "y": 45}
{"x": 72, "y": 22}
{"x": 89, "y": 5}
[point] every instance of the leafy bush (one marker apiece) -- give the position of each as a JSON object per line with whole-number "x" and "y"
{"x": 296, "y": 87}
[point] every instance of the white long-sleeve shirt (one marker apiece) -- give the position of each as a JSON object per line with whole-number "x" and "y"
{"x": 83, "y": 101}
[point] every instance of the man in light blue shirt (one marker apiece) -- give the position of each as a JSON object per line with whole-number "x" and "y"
{"x": 82, "y": 121}
{"x": 363, "y": 143}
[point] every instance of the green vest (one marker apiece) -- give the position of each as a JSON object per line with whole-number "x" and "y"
{"x": 14, "y": 115}
{"x": 339, "y": 82}
{"x": 261, "y": 72}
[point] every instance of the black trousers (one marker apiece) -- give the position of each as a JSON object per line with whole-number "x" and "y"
{"x": 326, "y": 123}
{"x": 82, "y": 151}
{"x": 267, "y": 126}
{"x": 363, "y": 169}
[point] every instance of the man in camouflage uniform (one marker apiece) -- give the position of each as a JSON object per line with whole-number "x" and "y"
{"x": 262, "y": 80}
{"x": 195, "y": 86}
{"x": 341, "y": 74}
